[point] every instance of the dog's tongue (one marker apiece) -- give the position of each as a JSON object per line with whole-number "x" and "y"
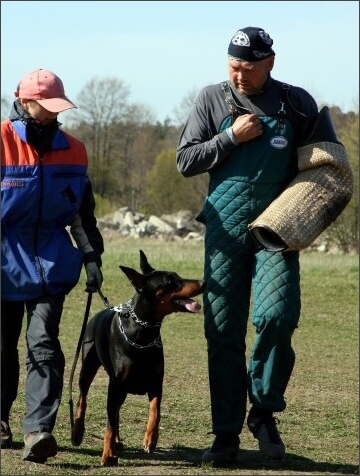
{"x": 192, "y": 306}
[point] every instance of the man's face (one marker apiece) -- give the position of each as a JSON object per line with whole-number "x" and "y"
{"x": 249, "y": 77}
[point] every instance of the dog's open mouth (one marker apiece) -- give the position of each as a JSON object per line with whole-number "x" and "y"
{"x": 186, "y": 305}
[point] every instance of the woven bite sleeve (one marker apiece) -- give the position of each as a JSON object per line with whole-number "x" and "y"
{"x": 311, "y": 202}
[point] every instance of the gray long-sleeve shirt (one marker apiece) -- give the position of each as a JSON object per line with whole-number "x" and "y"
{"x": 201, "y": 147}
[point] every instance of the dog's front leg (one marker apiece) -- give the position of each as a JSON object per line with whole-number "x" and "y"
{"x": 115, "y": 399}
{"x": 151, "y": 435}
{"x": 109, "y": 457}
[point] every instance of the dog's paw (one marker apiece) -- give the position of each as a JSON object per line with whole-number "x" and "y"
{"x": 150, "y": 441}
{"x": 119, "y": 446}
{"x": 109, "y": 461}
{"x": 77, "y": 433}
{"x": 149, "y": 448}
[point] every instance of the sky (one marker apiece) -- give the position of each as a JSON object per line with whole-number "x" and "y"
{"x": 164, "y": 50}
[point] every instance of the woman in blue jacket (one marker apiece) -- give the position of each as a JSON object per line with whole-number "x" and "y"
{"x": 45, "y": 191}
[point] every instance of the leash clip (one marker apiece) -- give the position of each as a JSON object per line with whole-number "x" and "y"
{"x": 104, "y": 299}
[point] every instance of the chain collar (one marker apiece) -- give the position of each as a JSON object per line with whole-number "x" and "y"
{"x": 127, "y": 310}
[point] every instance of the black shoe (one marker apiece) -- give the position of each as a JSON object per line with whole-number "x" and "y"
{"x": 39, "y": 446}
{"x": 224, "y": 450}
{"x": 263, "y": 427}
{"x": 6, "y": 436}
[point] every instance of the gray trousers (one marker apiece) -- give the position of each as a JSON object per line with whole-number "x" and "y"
{"x": 44, "y": 360}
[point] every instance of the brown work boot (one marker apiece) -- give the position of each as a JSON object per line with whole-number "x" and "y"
{"x": 6, "y": 435}
{"x": 39, "y": 446}
{"x": 223, "y": 451}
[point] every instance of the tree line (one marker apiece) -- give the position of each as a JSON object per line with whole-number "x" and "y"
{"x": 132, "y": 156}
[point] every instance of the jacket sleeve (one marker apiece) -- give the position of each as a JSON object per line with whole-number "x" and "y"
{"x": 201, "y": 147}
{"x": 84, "y": 228}
{"x": 304, "y": 113}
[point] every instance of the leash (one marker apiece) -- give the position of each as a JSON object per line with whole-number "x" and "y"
{"x": 81, "y": 338}
{"x": 86, "y": 316}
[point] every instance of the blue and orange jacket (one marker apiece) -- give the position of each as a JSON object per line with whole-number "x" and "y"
{"x": 41, "y": 195}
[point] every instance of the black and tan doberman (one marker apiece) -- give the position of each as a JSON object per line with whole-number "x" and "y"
{"x": 126, "y": 341}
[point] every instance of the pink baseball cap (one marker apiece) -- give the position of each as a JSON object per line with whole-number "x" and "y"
{"x": 46, "y": 88}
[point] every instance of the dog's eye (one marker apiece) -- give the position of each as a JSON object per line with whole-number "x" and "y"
{"x": 165, "y": 283}
{"x": 171, "y": 283}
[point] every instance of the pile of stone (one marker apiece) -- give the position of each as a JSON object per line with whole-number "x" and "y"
{"x": 178, "y": 226}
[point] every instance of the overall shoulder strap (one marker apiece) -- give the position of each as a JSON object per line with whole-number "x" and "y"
{"x": 225, "y": 86}
{"x": 235, "y": 108}
{"x": 283, "y": 98}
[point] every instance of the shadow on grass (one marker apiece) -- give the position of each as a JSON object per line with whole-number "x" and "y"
{"x": 249, "y": 459}
{"x": 182, "y": 457}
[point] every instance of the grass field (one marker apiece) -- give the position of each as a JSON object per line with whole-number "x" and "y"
{"x": 319, "y": 426}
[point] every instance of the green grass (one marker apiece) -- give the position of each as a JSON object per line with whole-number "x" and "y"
{"x": 319, "y": 426}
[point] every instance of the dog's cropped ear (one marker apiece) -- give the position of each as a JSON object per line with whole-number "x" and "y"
{"x": 144, "y": 264}
{"x": 135, "y": 278}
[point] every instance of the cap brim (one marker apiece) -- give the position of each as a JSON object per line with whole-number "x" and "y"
{"x": 56, "y": 104}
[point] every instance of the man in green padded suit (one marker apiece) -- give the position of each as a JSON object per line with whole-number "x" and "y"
{"x": 245, "y": 134}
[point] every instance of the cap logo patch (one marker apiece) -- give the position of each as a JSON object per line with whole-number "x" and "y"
{"x": 241, "y": 39}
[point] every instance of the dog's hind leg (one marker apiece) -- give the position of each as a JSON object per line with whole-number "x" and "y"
{"x": 90, "y": 366}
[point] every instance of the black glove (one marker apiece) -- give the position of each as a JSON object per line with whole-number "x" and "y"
{"x": 94, "y": 277}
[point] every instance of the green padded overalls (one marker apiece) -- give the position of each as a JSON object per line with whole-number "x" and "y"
{"x": 239, "y": 190}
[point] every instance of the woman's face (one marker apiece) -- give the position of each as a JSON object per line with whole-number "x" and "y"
{"x": 40, "y": 114}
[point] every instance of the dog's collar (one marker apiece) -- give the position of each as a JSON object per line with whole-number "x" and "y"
{"x": 126, "y": 309}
